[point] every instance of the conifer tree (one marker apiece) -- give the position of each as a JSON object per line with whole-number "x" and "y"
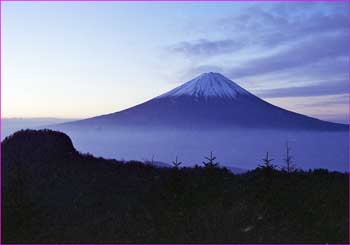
{"x": 211, "y": 161}
{"x": 290, "y": 167}
{"x": 176, "y": 163}
{"x": 267, "y": 163}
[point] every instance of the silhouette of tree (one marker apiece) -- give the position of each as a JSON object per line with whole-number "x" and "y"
{"x": 149, "y": 161}
{"x": 176, "y": 163}
{"x": 210, "y": 163}
{"x": 267, "y": 163}
{"x": 211, "y": 203}
{"x": 290, "y": 167}
{"x": 152, "y": 161}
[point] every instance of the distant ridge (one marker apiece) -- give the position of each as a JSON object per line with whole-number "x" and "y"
{"x": 209, "y": 101}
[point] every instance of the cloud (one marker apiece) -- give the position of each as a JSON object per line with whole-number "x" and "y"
{"x": 204, "y": 47}
{"x": 261, "y": 27}
{"x": 291, "y": 43}
{"x": 298, "y": 55}
{"x": 325, "y": 88}
{"x": 331, "y": 107}
{"x": 339, "y": 100}
{"x": 300, "y": 47}
{"x": 285, "y": 23}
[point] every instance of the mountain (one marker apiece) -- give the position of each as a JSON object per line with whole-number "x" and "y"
{"x": 211, "y": 113}
{"x": 208, "y": 101}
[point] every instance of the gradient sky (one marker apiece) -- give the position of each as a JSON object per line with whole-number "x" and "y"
{"x": 81, "y": 59}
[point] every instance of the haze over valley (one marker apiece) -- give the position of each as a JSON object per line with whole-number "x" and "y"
{"x": 211, "y": 113}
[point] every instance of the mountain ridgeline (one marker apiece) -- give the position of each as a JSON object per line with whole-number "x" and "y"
{"x": 209, "y": 101}
{"x": 211, "y": 113}
{"x": 54, "y": 194}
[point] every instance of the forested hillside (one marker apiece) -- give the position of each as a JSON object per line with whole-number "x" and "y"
{"x": 54, "y": 194}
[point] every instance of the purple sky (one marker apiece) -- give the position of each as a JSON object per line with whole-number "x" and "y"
{"x": 85, "y": 59}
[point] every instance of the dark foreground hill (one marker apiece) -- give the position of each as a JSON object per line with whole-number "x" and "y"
{"x": 53, "y": 194}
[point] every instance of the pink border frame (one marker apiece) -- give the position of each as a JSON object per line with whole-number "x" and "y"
{"x": 348, "y": 1}
{"x": 175, "y": 1}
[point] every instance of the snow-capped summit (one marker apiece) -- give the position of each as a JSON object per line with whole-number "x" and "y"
{"x": 210, "y": 113}
{"x": 207, "y": 101}
{"x": 206, "y": 85}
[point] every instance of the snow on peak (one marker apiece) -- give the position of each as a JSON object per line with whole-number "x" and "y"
{"x": 207, "y": 85}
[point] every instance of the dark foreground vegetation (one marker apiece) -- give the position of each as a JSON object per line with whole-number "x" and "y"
{"x": 53, "y": 194}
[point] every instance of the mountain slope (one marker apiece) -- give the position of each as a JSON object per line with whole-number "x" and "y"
{"x": 207, "y": 101}
{"x": 211, "y": 113}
